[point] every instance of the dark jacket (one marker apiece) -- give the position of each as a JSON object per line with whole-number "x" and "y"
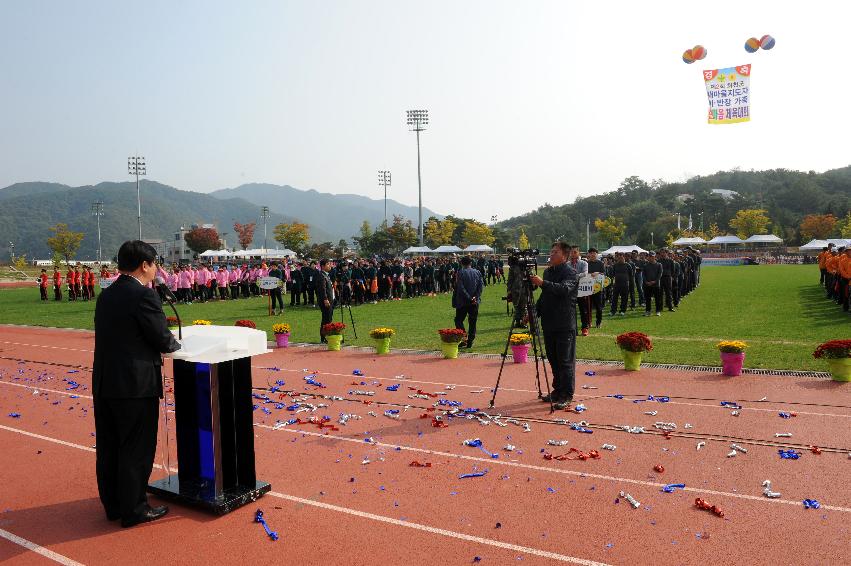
{"x": 324, "y": 288}
{"x": 652, "y": 273}
{"x": 557, "y": 304}
{"x": 130, "y": 337}
{"x": 468, "y": 284}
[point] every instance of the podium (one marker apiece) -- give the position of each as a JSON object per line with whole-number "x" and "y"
{"x": 213, "y": 413}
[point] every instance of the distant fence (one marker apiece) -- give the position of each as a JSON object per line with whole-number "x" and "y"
{"x": 48, "y": 263}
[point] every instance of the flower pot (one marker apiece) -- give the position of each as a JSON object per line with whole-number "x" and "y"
{"x": 382, "y": 346}
{"x": 449, "y": 349}
{"x": 282, "y": 340}
{"x": 334, "y": 342}
{"x": 840, "y": 368}
{"x": 520, "y": 352}
{"x": 631, "y": 360}
{"x": 731, "y": 363}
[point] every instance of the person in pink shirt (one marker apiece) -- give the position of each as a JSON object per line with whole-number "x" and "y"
{"x": 184, "y": 285}
{"x": 213, "y": 282}
{"x": 235, "y": 276}
{"x": 201, "y": 277}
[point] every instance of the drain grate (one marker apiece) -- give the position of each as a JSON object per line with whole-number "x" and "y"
{"x": 678, "y": 367}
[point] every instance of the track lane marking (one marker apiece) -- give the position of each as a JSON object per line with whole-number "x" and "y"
{"x": 31, "y": 546}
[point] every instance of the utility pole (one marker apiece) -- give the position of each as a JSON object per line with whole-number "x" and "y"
{"x": 384, "y": 181}
{"x": 418, "y": 119}
{"x": 264, "y": 214}
{"x": 97, "y": 212}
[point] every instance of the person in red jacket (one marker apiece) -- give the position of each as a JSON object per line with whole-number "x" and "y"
{"x": 57, "y": 284}
{"x": 69, "y": 279}
{"x": 42, "y": 284}
{"x": 78, "y": 291}
{"x": 91, "y": 282}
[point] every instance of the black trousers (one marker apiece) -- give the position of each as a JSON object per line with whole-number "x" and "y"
{"x": 43, "y": 291}
{"x": 126, "y": 432}
{"x": 327, "y": 316}
{"x": 621, "y": 293}
{"x": 57, "y": 292}
{"x": 653, "y": 292}
{"x": 276, "y": 296}
{"x": 295, "y": 295}
{"x": 561, "y": 353}
{"x": 470, "y": 312}
{"x": 667, "y": 291}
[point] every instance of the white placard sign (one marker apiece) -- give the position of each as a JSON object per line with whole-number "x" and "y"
{"x": 591, "y": 285}
{"x": 104, "y": 283}
{"x": 268, "y": 282}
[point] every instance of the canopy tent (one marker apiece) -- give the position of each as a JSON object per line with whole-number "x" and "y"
{"x": 764, "y": 239}
{"x": 478, "y": 248}
{"x": 447, "y": 249}
{"x": 726, "y": 240}
{"x": 265, "y": 252}
{"x": 689, "y": 241}
{"x": 837, "y": 242}
{"x": 615, "y": 249}
{"x": 215, "y": 253}
{"x": 417, "y": 250}
{"x": 280, "y": 254}
{"x": 814, "y": 245}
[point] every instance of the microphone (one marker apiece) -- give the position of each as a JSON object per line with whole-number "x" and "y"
{"x": 170, "y": 299}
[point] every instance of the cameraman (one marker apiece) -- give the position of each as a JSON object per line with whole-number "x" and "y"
{"x": 557, "y": 309}
{"x": 467, "y": 297}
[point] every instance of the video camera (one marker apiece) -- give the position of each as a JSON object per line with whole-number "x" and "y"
{"x": 527, "y": 259}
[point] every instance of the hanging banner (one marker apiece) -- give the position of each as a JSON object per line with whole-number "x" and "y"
{"x": 729, "y": 94}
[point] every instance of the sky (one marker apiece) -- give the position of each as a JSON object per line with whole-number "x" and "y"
{"x": 529, "y": 102}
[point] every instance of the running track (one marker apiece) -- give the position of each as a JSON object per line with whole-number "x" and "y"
{"x": 329, "y": 507}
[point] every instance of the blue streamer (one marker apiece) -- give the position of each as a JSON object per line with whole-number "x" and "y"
{"x": 473, "y": 474}
{"x": 672, "y": 486}
{"x": 393, "y": 387}
{"x": 357, "y": 372}
{"x": 15, "y": 415}
{"x": 258, "y": 518}
{"x": 789, "y": 454}
{"x": 784, "y": 415}
{"x": 811, "y": 504}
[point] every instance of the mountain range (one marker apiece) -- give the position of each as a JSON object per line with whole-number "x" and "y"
{"x": 28, "y": 210}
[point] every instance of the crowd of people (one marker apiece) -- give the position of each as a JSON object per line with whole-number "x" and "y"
{"x": 835, "y": 273}
{"x": 80, "y": 281}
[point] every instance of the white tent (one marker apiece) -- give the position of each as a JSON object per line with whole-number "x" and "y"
{"x": 814, "y": 245}
{"x": 265, "y": 252}
{"x": 689, "y": 241}
{"x": 478, "y": 248}
{"x": 447, "y": 249}
{"x": 418, "y": 250}
{"x": 837, "y": 242}
{"x": 615, "y": 249}
{"x": 279, "y": 254}
{"x": 726, "y": 240}
{"x": 215, "y": 253}
{"x": 764, "y": 239}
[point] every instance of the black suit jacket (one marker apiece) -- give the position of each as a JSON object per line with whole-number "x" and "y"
{"x": 557, "y": 304}
{"x": 130, "y": 336}
{"x": 324, "y": 287}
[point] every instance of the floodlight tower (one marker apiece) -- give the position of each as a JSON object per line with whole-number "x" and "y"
{"x": 136, "y": 166}
{"x": 384, "y": 181}
{"x": 417, "y": 119}
{"x": 264, "y": 214}
{"x": 97, "y": 212}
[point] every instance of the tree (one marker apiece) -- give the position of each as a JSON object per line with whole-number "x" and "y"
{"x": 476, "y": 233}
{"x": 845, "y": 226}
{"x": 818, "y": 226}
{"x": 202, "y": 239}
{"x": 612, "y": 229}
{"x": 523, "y": 240}
{"x": 319, "y": 251}
{"x": 438, "y": 232}
{"x": 402, "y": 233}
{"x": 245, "y": 233}
{"x": 341, "y": 248}
{"x": 64, "y": 241}
{"x": 749, "y": 222}
{"x": 294, "y": 236}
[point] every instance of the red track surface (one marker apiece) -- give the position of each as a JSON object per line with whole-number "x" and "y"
{"x": 330, "y": 508}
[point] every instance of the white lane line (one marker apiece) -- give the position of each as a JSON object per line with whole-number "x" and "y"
{"x": 44, "y": 346}
{"x": 327, "y": 506}
{"x": 438, "y": 531}
{"x": 502, "y": 462}
{"x": 29, "y": 545}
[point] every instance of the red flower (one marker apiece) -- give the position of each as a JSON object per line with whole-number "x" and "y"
{"x": 634, "y": 342}
{"x": 833, "y": 349}
{"x": 332, "y": 328}
{"x": 245, "y": 323}
{"x": 450, "y": 335}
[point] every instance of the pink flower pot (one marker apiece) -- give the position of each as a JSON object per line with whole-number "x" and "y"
{"x": 731, "y": 363}
{"x": 282, "y": 340}
{"x": 520, "y": 352}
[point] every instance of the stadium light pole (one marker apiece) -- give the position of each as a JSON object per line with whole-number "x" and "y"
{"x": 264, "y": 214}
{"x": 384, "y": 181}
{"x": 418, "y": 119}
{"x": 136, "y": 166}
{"x": 97, "y": 212}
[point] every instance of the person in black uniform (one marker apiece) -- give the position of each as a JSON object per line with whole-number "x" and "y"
{"x": 652, "y": 285}
{"x": 667, "y": 278}
{"x": 557, "y": 309}
{"x": 296, "y": 284}
{"x": 620, "y": 291}
{"x": 308, "y": 275}
{"x": 276, "y": 294}
{"x": 130, "y": 337}
{"x": 638, "y": 262}
{"x": 595, "y": 301}
{"x": 467, "y": 298}
{"x": 324, "y": 294}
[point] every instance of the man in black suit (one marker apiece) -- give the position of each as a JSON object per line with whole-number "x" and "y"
{"x": 324, "y": 294}
{"x": 557, "y": 309}
{"x": 466, "y": 298}
{"x": 130, "y": 337}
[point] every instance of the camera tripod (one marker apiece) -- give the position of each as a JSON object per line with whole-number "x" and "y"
{"x": 351, "y": 316}
{"x": 537, "y": 343}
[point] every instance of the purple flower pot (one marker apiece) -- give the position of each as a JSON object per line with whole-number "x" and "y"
{"x": 731, "y": 363}
{"x": 282, "y": 340}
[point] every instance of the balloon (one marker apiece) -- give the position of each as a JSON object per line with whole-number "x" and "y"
{"x": 688, "y": 56}
{"x": 752, "y": 45}
{"x": 699, "y": 52}
{"x": 766, "y": 42}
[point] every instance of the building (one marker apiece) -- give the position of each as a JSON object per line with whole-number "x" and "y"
{"x": 725, "y": 194}
{"x": 176, "y": 250}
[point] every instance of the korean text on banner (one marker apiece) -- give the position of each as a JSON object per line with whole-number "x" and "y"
{"x": 729, "y": 94}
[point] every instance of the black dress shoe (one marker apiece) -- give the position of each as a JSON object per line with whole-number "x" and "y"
{"x": 547, "y": 398}
{"x": 150, "y": 514}
{"x": 113, "y": 517}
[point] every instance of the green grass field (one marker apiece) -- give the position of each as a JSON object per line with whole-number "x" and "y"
{"x": 778, "y": 309}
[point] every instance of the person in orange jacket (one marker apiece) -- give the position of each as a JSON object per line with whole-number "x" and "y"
{"x": 831, "y": 265}
{"x": 822, "y": 257}
{"x": 844, "y": 269}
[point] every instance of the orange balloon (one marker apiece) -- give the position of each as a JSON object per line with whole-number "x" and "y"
{"x": 688, "y": 56}
{"x": 699, "y": 52}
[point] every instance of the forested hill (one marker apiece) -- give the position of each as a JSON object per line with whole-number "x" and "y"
{"x": 651, "y": 207}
